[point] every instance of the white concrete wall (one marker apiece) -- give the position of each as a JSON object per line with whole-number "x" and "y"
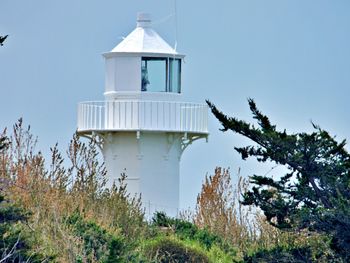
{"x": 151, "y": 164}
{"x": 123, "y": 74}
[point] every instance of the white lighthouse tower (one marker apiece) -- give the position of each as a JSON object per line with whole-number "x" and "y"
{"x": 143, "y": 125}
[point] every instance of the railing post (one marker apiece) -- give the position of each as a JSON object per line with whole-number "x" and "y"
{"x": 100, "y": 117}
{"x": 105, "y": 115}
{"x": 87, "y": 116}
{"x": 144, "y": 114}
{"x": 138, "y": 115}
{"x": 125, "y": 112}
{"x": 95, "y": 116}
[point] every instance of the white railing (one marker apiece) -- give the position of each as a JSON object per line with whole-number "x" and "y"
{"x": 143, "y": 115}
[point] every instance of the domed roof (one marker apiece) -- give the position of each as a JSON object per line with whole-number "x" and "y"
{"x": 144, "y": 40}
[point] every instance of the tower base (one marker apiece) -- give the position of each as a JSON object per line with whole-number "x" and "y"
{"x": 151, "y": 162}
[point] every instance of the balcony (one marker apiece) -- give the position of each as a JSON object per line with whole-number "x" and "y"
{"x": 134, "y": 115}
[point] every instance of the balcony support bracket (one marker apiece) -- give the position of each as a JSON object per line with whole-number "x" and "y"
{"x": 98, "y": 138}
{"x": 188, "y": 139}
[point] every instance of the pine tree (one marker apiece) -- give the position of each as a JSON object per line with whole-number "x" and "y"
{"x": 314, "y": 193}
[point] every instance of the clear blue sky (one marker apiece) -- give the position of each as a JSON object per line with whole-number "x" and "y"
{"x": 291, "y": 56}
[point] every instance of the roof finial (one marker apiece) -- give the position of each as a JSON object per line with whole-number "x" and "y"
{"x": 143, "y": 19}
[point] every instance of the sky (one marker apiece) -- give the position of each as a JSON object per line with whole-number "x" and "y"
{"x": 292, "y": 57}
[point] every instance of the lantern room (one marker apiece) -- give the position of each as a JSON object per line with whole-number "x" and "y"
{"x": 142, "y": 63}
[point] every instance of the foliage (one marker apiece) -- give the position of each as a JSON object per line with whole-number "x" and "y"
{"x": 215, "y": 203}
{"x": 217, "y": 255}
{"x": 56, "y": 193}
{"x": 72, "y": 217}
{"x": 184, "y": 230}
{"x": 165, "y": 249}
{"x": 117, "y": 251}
{"x": 295, "y": 255}
{"x": 310, "y": 248}
{"x": 12, "y": 245}
{"x": 3, "y": 142}
{"x": 248, "y": 231}
{"x": 99, "y": 244}
{"x": 314, "y": 193}
{"x": 15, "y": 246}
{"x": 218, "y": 208}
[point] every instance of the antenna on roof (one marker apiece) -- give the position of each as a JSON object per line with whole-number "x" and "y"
{"x": 162, "y": 20}
{"x": 175, "y": 21}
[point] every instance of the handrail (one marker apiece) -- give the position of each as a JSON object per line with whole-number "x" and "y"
{"x": 143, "y": 115}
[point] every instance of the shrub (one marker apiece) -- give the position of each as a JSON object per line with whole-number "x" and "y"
{"x": 310, "y": 248}
{"x": 282, "y": 255}
{"x": 188, "y": 232}
{"x": 98, "y": 243}
{"x": 15, "y": 240}
{"x": 207, "y": 239}
{"x": 166, "y": 249}
{"x": 53, "y": 191}
{"x": 217, "y": 255}
{"x": 116, "y": 248}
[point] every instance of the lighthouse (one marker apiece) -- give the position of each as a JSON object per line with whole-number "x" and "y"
{"x": 143, "y": 125}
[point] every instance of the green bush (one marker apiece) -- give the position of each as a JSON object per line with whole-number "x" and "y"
{"x": 15, "y": 239}
{"x": 185, "y": 229}
{"x": 162, "y": 220}
{"x": 217, "y": 255}
{"x": 166, "y": 249}
{"x": 189, "y": 232}
{"x": 99, "y": 244}
{"x": 208, "y": 239}
{"x": 280, "y": 254}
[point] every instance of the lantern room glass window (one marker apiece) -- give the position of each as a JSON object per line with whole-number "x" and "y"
{"x": 161, "y": 74}
{"x": 153, "y": 74}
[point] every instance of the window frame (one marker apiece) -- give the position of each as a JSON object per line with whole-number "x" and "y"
{"x": 168, "y": 60}
{"x": 178, "y": 84}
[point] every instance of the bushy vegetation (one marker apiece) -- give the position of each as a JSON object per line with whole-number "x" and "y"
{"x": 72, "y": 216}
{"x": 314, "y": 193}
{"x": 68, "y": 214}
{"x": 171, "y": 249}
{"x": 59, "y": 210}
{"x": 188, "y": 231}
{"x": 15, "y": 242}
